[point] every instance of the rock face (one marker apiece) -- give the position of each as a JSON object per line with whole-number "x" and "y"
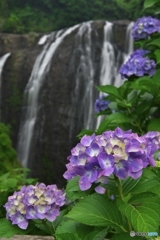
{"x": 67, "y": 86}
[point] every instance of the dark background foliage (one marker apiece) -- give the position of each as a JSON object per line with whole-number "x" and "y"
{"x": 22, "y": 16}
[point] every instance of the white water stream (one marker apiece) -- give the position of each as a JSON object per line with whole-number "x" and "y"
{"x": 3, "y": 59}
{"x": 109, "y": 68}
{"x": 40, "y": 69}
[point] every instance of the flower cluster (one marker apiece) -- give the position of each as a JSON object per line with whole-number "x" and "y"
{"x": 138, "y": 65}
{"x": 117, "y": 152}
{"x": 145, "y": 26}
{"x": 34, "y": 202}
{"x": 101, "y": 104}
{"x": 153, "y": 140}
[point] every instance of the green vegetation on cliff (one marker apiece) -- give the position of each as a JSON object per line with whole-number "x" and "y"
{"x": 47, "y": 15}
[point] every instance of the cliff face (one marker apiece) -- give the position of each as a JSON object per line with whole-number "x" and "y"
{"x": 60, "y": 101}
{"x": 15, "y": 75}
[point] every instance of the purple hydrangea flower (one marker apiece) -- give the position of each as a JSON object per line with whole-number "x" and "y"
{"x": 34, "y": 202}
{"x": 101, "y": 104}
{"x": 153, "y": 141}
{"x": 138, "y": 65}
{"x": 118, "y": 152}
{"x": 145, "y": 26}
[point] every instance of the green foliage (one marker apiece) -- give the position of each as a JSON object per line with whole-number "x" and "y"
{"x": 7, "y": 230}
{"x": 8, "y": 157}
{"x": 12, "y": 175}
{"x": 46, "y": 15}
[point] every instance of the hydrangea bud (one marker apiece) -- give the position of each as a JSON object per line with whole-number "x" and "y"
{"x": 101, "y": 104}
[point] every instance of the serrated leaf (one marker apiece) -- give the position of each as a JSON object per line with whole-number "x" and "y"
{"x": 141, "y": 213}
{"x": 149, "y": 3}
{"x": 8, "y": 230}
{"x": 97, "y": 210}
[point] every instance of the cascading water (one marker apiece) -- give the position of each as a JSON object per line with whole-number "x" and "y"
{"x": 82, "y": 96}
{"x": 40, "y": 69}
{"x": 59, "y": 97}
{"x": 3, "y": 59}
{"x": 109, "y": 62}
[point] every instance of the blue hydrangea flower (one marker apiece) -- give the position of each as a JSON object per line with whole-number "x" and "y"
{"x": 145, "y": 26}
{"x": 118, "y": 152}
{"x": 138, "y": 65}
{"x": 101, "y": 104}
{"x": 34, "y": 202}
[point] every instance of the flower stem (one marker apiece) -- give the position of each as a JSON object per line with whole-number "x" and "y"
{"x": 50, "y": 230}
{"x": 119, "y": 187}
{"x": 122, "y": 197}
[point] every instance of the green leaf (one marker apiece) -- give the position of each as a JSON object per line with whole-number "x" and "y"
{"x": 150, "y": 3}
{"x": 67, "y": 236}
{"x": 59, "y": 218}
{"x": 126, "y": 236}
{"x": 128, "y": 184}
{"x": 96, "y": 235}
{"x": 98, "y": 210}
{"x": 68, "y": 226}
{"x": 145, "y": 185}
{"x": 113, "y": 120}
{"x": 157, "y": 54}
{"x": 143, "y": 211}
{"x": 85, "y": 131}
{"x": 111, "y": 90}
{"x": 8, "y": 230}
{"x": 143, "y": 108}
{"x": 155, "y": 42}
{"x": 156, "y": 77}
{"x": 146, "y": 84}
{"x": 10, "y": 183}
{"x": 82, "y": 231}
{"x": 154, "y": 125}
{"x": 73, "y": 191}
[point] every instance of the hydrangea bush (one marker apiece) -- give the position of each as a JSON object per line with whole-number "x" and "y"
{"x": 113, "y": 173}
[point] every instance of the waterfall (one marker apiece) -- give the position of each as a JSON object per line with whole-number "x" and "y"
{"x": 3, "y": 59}
{"x": 109, "y": 62}
{"x": 83, "y": 69}
{"x": 40, "y": 69}
{"x": 60, "y": 94}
